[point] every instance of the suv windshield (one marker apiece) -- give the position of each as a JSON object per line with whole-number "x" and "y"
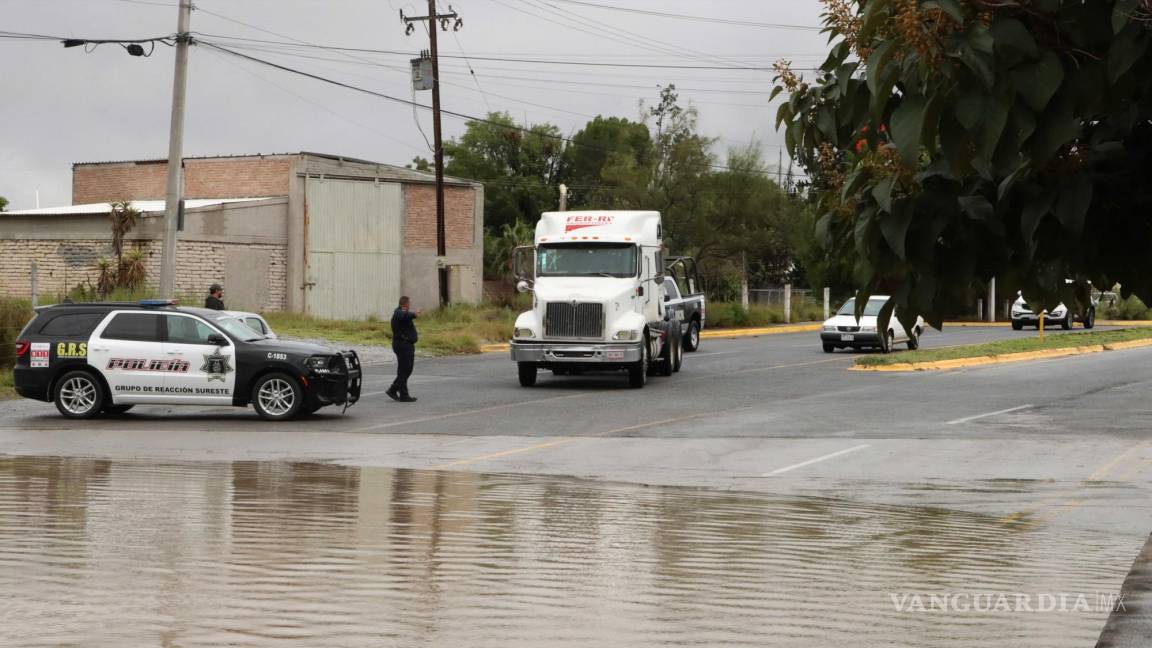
{"x": 586, "y": 260}
{"x": 871, "y": 309}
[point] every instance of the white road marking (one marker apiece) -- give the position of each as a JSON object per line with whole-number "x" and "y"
{"x": 980, "y": 416}
{"x": 816, "y": 460}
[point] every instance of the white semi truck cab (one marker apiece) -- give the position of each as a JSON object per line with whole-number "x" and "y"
{"x": 598, "y": 298}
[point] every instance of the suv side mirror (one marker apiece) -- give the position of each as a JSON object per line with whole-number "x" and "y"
{"x": 217, "y": 339}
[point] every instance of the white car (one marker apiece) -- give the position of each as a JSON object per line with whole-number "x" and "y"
{"x": 1022, "y": 315}
{"x": 253, "y": 321}
{"x": 842, "y": 330}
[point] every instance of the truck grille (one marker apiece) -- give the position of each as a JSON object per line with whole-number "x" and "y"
{"x": 580, "y": 320}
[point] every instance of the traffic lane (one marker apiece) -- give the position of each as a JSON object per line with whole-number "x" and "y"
{"x": 459, "y": 394}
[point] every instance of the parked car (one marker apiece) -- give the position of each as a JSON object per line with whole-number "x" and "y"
{"x": 1023, "y": 315}
{"x": 843, "y": 330}
{"x": 684, "y": 299}
{"x": 255, "y": 322}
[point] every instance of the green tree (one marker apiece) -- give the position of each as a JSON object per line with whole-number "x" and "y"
{"x": 520, "y": 170}
{"x": 952, "y": 140}
{"x": 608, "y": 165}
{"x": 3, "y": 203}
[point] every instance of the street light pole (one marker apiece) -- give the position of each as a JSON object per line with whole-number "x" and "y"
{"x": 174, "y": 187}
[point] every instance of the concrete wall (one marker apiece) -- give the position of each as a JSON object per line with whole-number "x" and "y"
{"x": 464, "y": 238}
{"x": 241, "y": 177}
{"x": 242, "y": 246}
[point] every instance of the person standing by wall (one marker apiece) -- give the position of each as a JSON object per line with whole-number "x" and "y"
{"x": 215, "y": 299}
{"x": 404, "y": 339}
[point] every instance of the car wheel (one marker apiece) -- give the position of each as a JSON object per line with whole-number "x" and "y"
{"x": 117, "y": 409}
{"x": 914, "y": 340}
{"x": 277, "y": 397}
{"x": 79, "y": 395}
{"x": 1017, "y": 325}
{"x": 692, "y": 338}
{"x": 1066, "y": 324}
{"x": 889, "y": 342}
{"x": 638, "y": 372}
{"x": 679, "y": 348}
{"x": 1090, "y": 318}
{"x": 527, "y": 372}
{"x": 829, "y": 348}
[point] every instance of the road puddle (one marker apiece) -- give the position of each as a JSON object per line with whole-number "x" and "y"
{"x": 102, "y": 553}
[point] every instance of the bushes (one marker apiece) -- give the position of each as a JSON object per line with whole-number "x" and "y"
{"x": 733, "y": 315}
{"x": 1126, "y": 309}
{"x": 14, "y": 315}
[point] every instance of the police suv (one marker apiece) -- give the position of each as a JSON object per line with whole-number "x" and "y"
{"x": 108, "y": 357}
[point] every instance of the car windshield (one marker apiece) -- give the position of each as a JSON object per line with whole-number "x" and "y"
{"x": 601, "y": 259}
{"x": 871, "y": 309}
{"x": 238, "y": 329}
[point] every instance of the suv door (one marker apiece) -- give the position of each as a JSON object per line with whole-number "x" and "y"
{"x": 211, "y": 375}
{"x": 127, "y": 350}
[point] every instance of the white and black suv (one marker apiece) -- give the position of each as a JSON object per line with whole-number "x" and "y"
{"x": 107, "y": 357}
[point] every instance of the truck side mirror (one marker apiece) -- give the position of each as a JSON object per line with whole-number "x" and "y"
{"x": 667, "y": 297}
{"x": 659, "y": 280}
{"x": 524, "y": 263}
{"x": 523, "y": 286}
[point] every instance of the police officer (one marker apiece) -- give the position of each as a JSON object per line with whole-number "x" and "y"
{"x": 215, "y": 299}
{"x": 404, "y": 338}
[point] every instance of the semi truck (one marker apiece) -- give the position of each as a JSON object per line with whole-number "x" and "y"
{"x": 598, "y": 298}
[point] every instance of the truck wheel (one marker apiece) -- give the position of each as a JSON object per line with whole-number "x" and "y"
{"x": 692, "y": 337}
{"x": 638, "y": 372}
{"x": 678, "y": 346}
{"x": 79, "y": 395}
{"x": 667, "y": 364}
{"x": 1090, "y": 318}
{"x": 527, "y": 373}
{"x": 1017, "y": 325}
{"x": 277, "y": 397}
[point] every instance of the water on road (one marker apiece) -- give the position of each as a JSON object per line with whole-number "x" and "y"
{"x": 102, "y": 553}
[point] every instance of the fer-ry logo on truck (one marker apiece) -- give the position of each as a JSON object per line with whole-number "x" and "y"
{"x": 584, "y": 220}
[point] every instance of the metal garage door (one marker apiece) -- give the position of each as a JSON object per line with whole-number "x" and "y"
{"x": 354, "y": 244}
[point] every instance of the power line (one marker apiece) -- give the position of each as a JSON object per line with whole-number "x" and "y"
{"x": 406, "y": 102}
{"x": 707, "y": 19}
{"x": 501, "y": 59}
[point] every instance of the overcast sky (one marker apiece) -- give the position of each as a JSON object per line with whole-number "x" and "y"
{"x": 61, "y": 106}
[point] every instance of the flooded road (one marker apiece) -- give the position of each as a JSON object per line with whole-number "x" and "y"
{"x": 102, "y": 553}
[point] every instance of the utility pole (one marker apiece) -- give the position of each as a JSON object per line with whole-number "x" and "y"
{"x": 438, "y": 153}
{"x": 175, "y": 154}
{"x": 563, "y": 197}
{"x": 780, "y": 168}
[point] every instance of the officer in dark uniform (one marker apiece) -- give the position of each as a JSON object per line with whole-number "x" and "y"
{"x": 214, "y": 301}
{"x": 404, "y": 339}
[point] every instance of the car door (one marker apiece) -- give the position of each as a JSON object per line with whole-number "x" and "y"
{"x": 127, "y": 349}
{"x": 211, "y": 375}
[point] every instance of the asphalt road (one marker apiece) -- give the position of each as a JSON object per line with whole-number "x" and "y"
{"x": 1059, "y": 445}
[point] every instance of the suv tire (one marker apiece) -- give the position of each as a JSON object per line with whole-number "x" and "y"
{"x": 79, "y": 395}
{"x": 1090, "y": 318}
{"x": 1017, "y": 325}
{"x": 277, "y": 397}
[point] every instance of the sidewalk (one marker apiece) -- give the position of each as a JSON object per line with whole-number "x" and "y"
{"x": 1130, "y": 625}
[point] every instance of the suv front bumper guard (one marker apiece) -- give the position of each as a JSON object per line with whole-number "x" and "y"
{"x": 574, "y": 352}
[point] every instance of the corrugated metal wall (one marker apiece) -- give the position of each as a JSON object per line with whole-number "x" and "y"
{"x": 354, "y": 245}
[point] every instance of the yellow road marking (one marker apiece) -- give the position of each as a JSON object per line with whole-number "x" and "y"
{"x": 566, "y": 440}
{"x": 1051, "y": 507}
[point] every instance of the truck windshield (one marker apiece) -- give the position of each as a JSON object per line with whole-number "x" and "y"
{"x": 586, "y": 260}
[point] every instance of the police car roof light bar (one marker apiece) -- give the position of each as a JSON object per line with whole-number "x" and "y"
{"x": 157, "y": 302}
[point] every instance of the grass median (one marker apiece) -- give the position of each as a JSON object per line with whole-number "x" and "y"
{"x": 6, "y": 388}
{"x": 1003, "y": 347}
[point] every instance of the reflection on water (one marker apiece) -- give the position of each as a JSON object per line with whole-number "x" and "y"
{"x": 100, "y": 553}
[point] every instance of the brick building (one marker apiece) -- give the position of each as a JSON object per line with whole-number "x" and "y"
{"x": 306, "y": 232}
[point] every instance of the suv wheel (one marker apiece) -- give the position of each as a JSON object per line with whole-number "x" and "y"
{"x": 692, "y": 338}
{"x": 1090, "y": 318}
{"x": 277, "y": 397}
{"x": 79, "y": 395}
{"x": 1066, "y": 324}
{"x": 1017, "y": 325}
{"x": 914, "y": 340}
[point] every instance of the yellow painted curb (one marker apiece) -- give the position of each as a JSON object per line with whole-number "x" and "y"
{"x": 763, "y": 330}
{"x": 1007, "y": 358}
{"x": 1127, "y": 323}
{"x": 977, "y": 324}
{"x": 494, "y": 348}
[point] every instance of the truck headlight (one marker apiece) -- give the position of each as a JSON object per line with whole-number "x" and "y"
{"x": 624, "y": 336}
{"x": 319, "y": 364}
{"x": 523, "y": 333}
